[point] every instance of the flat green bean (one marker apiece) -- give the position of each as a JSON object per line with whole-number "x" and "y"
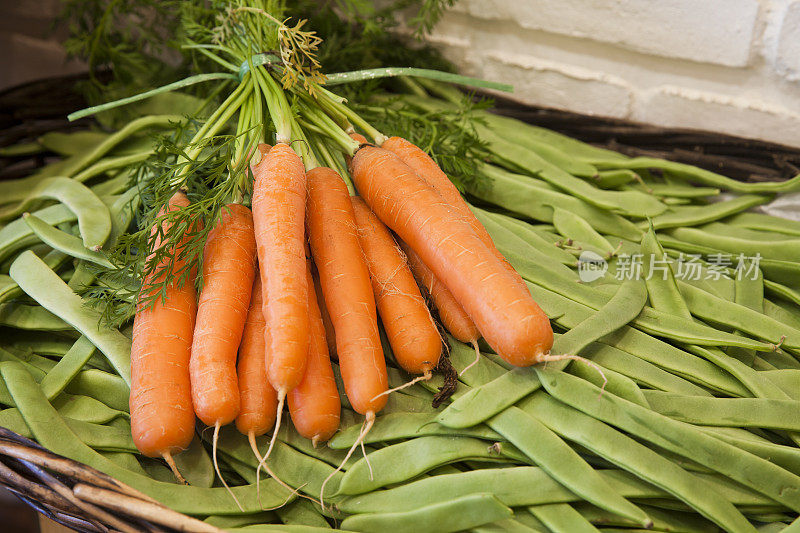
{"x": 30, "y": 317}
{"x": 698, "y": 175}
{"x": 641, "y": 371}
{"x": 291, "y": 466}
{"x": 709, "y": 307}
{"x": 527, "y": 233}
{"x": 482, "y": 402}
{"x": 50, "y": 430}
{"x": 456, "y": 515}
{"x": 523, "y": 486}
{"x": 396, "y": 426}
{"x": 228, "y": 522}
{"x": 574, "y": 227}
{"x": 17, "y": 234}
{"x": 65, "y": 370}
{"x": 111, "y": 163}
{"x": 64, "y": 242}
{"x": 504, "y": 131}
{"x": 729, "y": 412}
{"x": 21, "y": 149}
{"x": 302, "y": 512}
{"x": 640, "y": 344}
{"x": 417, "y": 456}
{"x": 681, "y": 191}
{"x": 93, "y": 216}
{"x": 787, "y": 457}
{"x": 695, "y": 215}
{"x": 615, "y": 447}
{"x": 759, "y": 221}
{"x": 85, "y": 409}
{"x": 71, "y": 143}
{"x": 662, "y": 290}
{"x": 562, "y": 518}
{"x": 194, "y": 463}
{"x": 549, "y": 451}
{"x": 630, "y": 203}
{"x": 611, "y": 382}
{"x": 786, "y": 250}
{"x": 678, "y": 437}
{"x": 97, "y": 436}
{"x": 44, "y": 285}
{"x": 612, "y": 179}
{"x": 502, "y": 189}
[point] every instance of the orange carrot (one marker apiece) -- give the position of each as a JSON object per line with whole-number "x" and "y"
{"x": 452, "y": 315}
{"x": 257, "y": 397}
{"x": 504, "y": 312}
{"x": 278, "y": 215}
{"x": 314, "y": 404}
{"x": 427, "y": 169}
{"x": 228, "y": 270}
{"x": 346, "y": 286}
{"x": 259, "y": 401}
{"x": 162, "y": 418}
{"x": 279, "y": 202}
{"x": 412, "y": 334}
{"x": 330, "y": 335}
{"x": 347, "y": 289}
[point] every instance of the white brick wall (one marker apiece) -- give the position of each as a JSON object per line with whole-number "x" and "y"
{"x": 727, "y": 65}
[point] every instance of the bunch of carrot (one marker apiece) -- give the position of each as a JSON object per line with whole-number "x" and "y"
{"x": 307, "y": 250}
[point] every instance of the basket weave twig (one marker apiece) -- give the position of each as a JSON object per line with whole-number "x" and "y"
{"x": 85, "y": 499}
{"x": 79, "y": 496}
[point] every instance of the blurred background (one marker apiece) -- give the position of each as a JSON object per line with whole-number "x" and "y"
{"x": 730, "y": 66}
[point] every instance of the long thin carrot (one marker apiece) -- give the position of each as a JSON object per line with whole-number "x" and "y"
{"x": 162, "y": 418}
{"x": 347, "y": 289}
{"x": 258, "y": 399}
{"x": 228, "y": 270}
{"x": 279, "y": 195}
{"x": 412, "y": 334}
{"x": 344, "y": 277}
{"x": 330, "y": 334}
{"x": 504, "y": 312}
{"x": 314, "y": 404}
{"x": 427, "y": 169}
{"x": 452, "y": 315}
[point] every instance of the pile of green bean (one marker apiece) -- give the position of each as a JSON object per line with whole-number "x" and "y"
{"x": 683, "y": 416}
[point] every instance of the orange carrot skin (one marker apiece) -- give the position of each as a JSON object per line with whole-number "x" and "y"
{"x": 505, "y": 314}
{"x": 347, "y": 289}
{"x": 229, "y": 259}
{"x": 412, "y": 334}
{"x": 314, "y": 404}
{"x": 427, "y": 169}
{"x": 258, "y": 399}
{"x": 162, "y": 417}
{"x": 452, "y": 315}
{"x": 330, "y": 334}
{"x": 279, "y": 195}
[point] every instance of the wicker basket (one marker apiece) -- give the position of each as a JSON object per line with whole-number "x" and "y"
{"x": 85, "y": 499}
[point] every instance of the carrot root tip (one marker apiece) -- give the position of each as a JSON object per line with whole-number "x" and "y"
{"x": 475, "y": 361}
{"x": 424, "y": 377}
{"x": 171, "y": 463}
{"x": 368, "y": 422}
{"x": 214, "y": 442}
